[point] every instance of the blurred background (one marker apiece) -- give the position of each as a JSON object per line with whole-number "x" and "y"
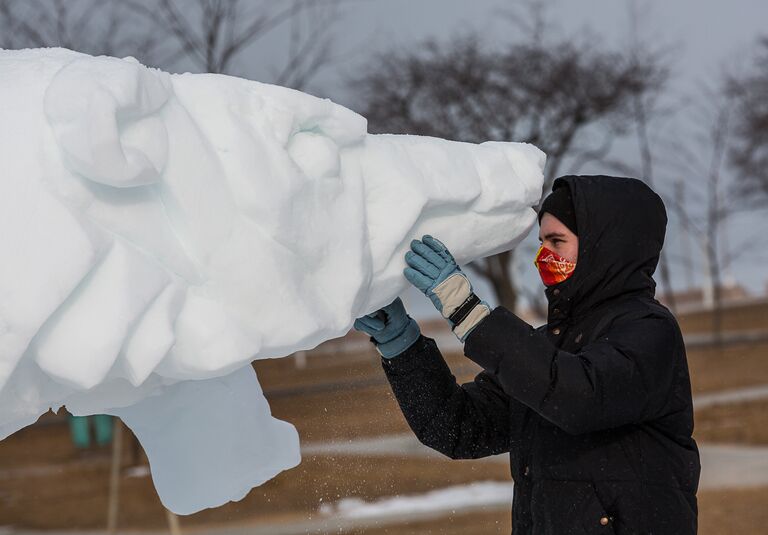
{"x": 675, "y": 93}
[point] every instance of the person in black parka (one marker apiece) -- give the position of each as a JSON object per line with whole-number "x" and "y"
{"x": 594, "y": 407}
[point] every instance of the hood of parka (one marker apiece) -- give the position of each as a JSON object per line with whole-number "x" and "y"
{"x": 621, "y": 224}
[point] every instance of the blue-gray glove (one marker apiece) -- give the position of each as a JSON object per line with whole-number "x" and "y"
{"x": 391, "y": 329}
{"x": 433, "y": 270}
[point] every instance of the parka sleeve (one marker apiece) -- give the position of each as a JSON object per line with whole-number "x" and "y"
{"x": 466, "y": 421}
{"x": 624, "y": 377}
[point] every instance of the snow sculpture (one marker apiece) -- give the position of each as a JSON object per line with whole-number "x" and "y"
{"x": 161, "y": 231}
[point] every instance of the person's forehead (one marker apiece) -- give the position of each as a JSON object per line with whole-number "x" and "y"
{"x": 551, "y": 227}
{"x": 548, "y": 220}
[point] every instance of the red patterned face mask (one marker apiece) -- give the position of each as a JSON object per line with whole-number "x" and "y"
{"x": 552, "y": 267}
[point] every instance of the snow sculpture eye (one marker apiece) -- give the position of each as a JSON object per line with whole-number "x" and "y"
{"x": 316, "y": 155}
{"x": 103, "y": 115}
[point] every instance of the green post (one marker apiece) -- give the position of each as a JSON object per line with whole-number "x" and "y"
{"x": 78, "y": 427}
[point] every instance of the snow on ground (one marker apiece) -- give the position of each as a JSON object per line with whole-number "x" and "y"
{"x": 481, "y": 493}
{"x": 161, "y": 231}
{"x": 733, "y": 466}
{"x": 723, "y": 466}
{"x": 726, "y": 397}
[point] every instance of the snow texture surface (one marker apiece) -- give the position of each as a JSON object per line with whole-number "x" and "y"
{"x": 162, "y": 231}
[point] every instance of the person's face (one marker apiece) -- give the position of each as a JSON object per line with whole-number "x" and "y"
{"x": 558, "y": 238}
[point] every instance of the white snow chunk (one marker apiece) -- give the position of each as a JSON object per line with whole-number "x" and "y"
{"x": 162, "y": 231}
{"x": 237, "y": 444}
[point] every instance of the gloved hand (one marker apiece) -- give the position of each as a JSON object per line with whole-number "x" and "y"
{"x": 433, "y": 270}
{"x": 391, "y": 329}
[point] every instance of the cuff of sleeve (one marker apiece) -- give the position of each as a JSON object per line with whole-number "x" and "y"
{"x": 471, "y": 320}
{"x": 422, "y": 353}
{"x": 397, "y": 346}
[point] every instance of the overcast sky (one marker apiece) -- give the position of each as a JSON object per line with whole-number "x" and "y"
{"x": 707, "y": 32}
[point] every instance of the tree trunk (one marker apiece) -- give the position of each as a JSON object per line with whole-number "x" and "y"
{"x": 496, "y": 270}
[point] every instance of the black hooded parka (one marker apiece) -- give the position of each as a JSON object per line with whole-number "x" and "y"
{"x": 594, "y": 408}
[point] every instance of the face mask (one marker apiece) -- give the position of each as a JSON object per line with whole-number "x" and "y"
{"x": 552, "y": 267}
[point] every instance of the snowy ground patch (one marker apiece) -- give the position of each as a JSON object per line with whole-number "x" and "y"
{"x": 459, "y": 497}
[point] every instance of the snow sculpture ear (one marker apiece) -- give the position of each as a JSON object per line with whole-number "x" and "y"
{"x": 102, "y": 113}
{"x": 316, "y": 155}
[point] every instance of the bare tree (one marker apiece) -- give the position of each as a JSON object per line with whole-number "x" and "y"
{"x": 749, "y": 155}
{"x": 733, "y": 131}
{"x": 717, "y": 209}
{"x": 725, "y": 121}
{"x": 646, "y": 108}
{"x": 206, "y": 35}
{"x": 551, "y": 94}
{"x": 212, "y": 33}
{"x": 89, "y": 26}
{"x": 713, "y": 202}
